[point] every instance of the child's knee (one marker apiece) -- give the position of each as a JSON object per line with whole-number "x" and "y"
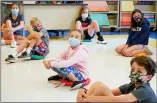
{"x": 97, "y": 84}
{"x": 78, "y": 23}
{"x": 8, "y": 22}
{"x": 117, "y": 50}
{"x": 126, "y": 53}
{"x": 94, "y": 22}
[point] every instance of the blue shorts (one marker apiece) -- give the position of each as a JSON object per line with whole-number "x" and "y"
{"x": 19, "y": 32}
{"x": 64, "y": 72}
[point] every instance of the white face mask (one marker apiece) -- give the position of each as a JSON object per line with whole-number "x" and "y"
{"x": 84, "y": 16}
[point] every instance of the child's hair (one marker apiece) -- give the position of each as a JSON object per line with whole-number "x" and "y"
{"x": 78, "y": 30}
{"x": 85, "y": 7}
{"x": 34, "y": 19}
{"x": 133, "y": 22}
{"x": 19, "y": 4}
{"x": 147, "y": 62}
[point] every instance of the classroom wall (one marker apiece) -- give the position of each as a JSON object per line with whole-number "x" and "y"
{"x": 53, "y": 16}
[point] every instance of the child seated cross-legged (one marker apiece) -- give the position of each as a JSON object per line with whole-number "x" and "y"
{"x": 72, "y": 64}
{"x": 37, "y": 43}
{"x": 137, "y": 91}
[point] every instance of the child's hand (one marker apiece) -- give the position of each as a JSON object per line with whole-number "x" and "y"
{"x": 47, "y": 64}
{"x": 29, "y": 28}
{"x": 81, "y": 95}
{"x": 34, "y": 35}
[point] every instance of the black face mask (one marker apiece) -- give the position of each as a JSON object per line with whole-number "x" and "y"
{"x": 38, "y": 28}
{"x": 137, "y": 19}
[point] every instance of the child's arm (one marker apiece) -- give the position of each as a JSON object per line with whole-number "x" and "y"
{"x": 122, "y": 98}
{"x": 116, "y": 92}
{"x": 19, "y": 26}
{"x": 33, "y": 34}
{"x": 22, "y": 23}
{"x": 86, "y": 28}
{"x": 77, "y": 57}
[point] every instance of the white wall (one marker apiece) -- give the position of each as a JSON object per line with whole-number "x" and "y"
{"x": 53, "y": 16}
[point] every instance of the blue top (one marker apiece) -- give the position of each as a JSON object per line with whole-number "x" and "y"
{"x": 139, "y": 35}
{"x": 15, "y": 23}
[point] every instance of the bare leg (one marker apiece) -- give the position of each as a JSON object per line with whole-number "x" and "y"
{"x": 78, "y": 25}
{"x": 93, "y": 27}
{"x": 120, "y": 48}
{"x": 131, "y": 51}
{"x": 24, "y": 44}
{"x": 72, "y": 77}
{"x": 8, "y": 25}
{"x": 99, "y": 89}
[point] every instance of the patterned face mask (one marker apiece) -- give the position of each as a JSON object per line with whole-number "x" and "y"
{"x": 135, "y": 77}
{"x": 38, "y": 28}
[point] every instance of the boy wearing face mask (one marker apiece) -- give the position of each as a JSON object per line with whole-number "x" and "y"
{"x": 72, "y": 64}
{"x": 137, "y": 91}
{"x": 138, "y": 38}
{"x": 37, "y": 43}
{"x": 85, "y": 23}
{"x": 12, "y": 27}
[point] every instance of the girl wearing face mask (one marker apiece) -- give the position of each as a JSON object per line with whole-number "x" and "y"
{"x": 12, "y": 27}
{"x": 72, "y": 64}
{"x": 85, "y": 23}
{"x": 137, "y": 41}
{"x": 37, "y": 43}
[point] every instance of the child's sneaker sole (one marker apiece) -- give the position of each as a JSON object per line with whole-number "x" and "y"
{"x": 81, "y": 85}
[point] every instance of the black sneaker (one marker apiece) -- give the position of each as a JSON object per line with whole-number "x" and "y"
{"x": 77, "y": 85}
{"x": 55, "y": 77}
{"x": 101, "y": 40}
{"x": 24, "y": 55}
{"x": 11, "y": 59}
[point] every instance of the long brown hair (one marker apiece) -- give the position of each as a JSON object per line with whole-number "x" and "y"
{"x": 20, "y": 6}
{"x": 85, "y": 7}
{"x": 133, "y": 22}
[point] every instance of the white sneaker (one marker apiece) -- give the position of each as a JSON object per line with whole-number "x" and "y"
{"x": 13, "y": 44}
{"x": 102, "y": 42}
{"x": 3, "y": 42}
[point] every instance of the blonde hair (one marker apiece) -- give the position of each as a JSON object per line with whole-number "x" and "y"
{"x": 79, "y": 31}
{"x": 34, "y": 19}
{"x": 83, "y": 8}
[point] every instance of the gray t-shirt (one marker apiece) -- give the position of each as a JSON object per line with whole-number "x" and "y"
{"x": 45, "y": 38}
{"x": 143, "y": 93}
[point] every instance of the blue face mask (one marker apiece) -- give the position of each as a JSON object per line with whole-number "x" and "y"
{"x": 74, "y": 42}
{"x": 15, "y": 11}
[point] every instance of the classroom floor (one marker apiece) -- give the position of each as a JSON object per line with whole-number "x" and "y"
{"x": 26, "y": 80}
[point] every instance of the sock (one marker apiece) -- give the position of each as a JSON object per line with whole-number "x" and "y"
{"x": 14, "y": 54}
{"x": 28, "y": 50}
{"x": 98, "y": 34}
{"x": 3, "y": 42}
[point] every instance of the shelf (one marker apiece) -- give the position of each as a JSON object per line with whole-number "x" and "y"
{"x": 149, "y": 12}
{"x": 116, "y": 26}
{"x": 125, "y": 27}
{"x": 110, "y": 12}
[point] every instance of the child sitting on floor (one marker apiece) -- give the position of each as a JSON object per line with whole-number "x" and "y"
{"x": 37, "y": 43}
{"x": 72, "y": 64}
{"x": 85, "y": 23}
{"x": 138, "y": 91}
